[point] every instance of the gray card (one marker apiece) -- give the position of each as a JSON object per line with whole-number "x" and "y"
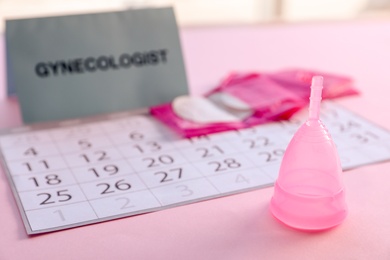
{"x": 80, "y": 65}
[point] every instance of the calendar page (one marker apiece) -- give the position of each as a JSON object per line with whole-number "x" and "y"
{"x": 80, "y": 172}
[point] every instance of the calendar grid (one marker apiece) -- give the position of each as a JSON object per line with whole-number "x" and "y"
{"x": 254, "y": 163}
{"x": 199, "y": 171}
{"x": 78, "y": 184}
{"x": 15, "y": 192}
{"x": 32, "y": 190}
{"x": 180, "y": 183}
{"x": 124, "y": 157}
{"x": 82, "y": 172}
{"x": 49, "y": 207}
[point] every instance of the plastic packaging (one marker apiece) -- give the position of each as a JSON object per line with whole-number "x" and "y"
{"x": 309, "y": 193}
{"x": 251, "y": 98}
{"x": 244, "y": 100}
{"x": 299, "y": 80}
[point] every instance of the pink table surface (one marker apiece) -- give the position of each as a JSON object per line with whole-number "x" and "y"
{"x": 240, "y": 226}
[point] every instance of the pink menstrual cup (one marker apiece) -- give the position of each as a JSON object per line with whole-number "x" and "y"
{"x": 309, "y": 193}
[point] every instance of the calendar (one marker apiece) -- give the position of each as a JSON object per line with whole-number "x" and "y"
{"x": 73, "y": 173}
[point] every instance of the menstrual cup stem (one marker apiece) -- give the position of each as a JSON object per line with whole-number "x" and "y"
{"x": 315, "y": 97}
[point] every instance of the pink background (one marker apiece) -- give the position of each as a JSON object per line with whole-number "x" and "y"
{"x": 240, "y": 226}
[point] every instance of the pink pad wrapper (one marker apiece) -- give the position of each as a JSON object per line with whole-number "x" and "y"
{"x": 271, "y": 96}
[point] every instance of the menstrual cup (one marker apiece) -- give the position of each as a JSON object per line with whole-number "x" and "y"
{"x": 309, "y": 193}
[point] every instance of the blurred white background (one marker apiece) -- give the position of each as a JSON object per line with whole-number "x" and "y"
{"x": 201, "y": 12}
{"x": 208, "y": 12}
